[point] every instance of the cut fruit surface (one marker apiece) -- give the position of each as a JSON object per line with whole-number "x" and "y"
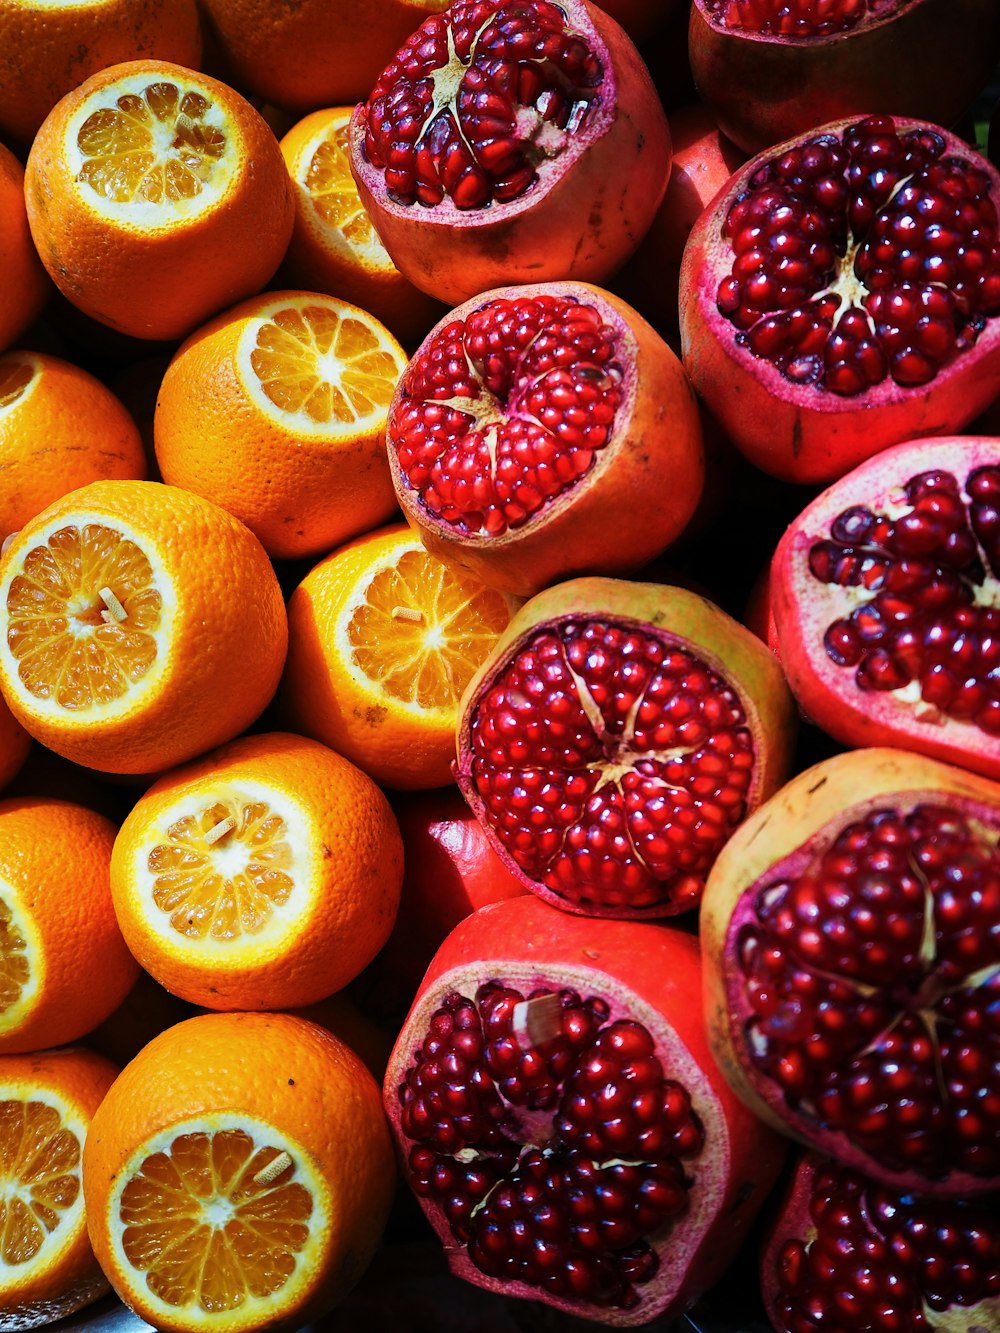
{"x": 21, "y": 965}
{"x": 40, "y": 1149}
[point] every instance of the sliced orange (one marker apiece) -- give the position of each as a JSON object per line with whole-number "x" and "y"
{"x": 47, "y": 1102}
{"x": 156, "y": 196}
{"x": 334, "y": 247}
{"x": 383, "y": 639}
{"x": 238, "y": 1175}
{"x": 263, "y": 876}
{"x": 143, "y": 625}
{"x": 278, "y": 409}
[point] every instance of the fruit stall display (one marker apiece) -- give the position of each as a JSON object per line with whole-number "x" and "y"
{"x": 500, "y": 670}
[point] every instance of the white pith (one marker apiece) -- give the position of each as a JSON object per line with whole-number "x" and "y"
{"x": 28, "y": 359}
{"x": 17, "y": 1014}
{"x": 373, "y": 255}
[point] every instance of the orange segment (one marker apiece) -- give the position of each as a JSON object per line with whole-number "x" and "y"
{"x": 331, "y": 187}
{"x": 19, "y": 981}
{"x": 39, "y": 1160}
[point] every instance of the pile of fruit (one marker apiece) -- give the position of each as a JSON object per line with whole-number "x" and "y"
{"x": 500, "y": 663}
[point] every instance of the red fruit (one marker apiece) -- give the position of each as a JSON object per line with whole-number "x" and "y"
{"x": 852, "y": 967}
{"x": 495, "y": 123}
{"x": 845, "y": 1252}
{"x": 545, "y": 431}
{"x": 615, "y": 738}
{"x": 758, "y": 615}
{"x": 841, "y": 294}
{"x": 886, "y": 604}
{"x": 561, "y": 1120}
{"x": 770, "y": 70}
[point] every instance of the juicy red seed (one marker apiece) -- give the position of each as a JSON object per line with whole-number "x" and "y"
{"x": 926, "y": 614}
{"x": 881, "y": 1022}
{"x": 918, "y": 231}
{"x": 608, "y": 1134}
{"x": 875, "y": 1250}
{"x": 613, "y": 765}
{"x": 543, "y": 387}
{"x": 516, "y": 67}
{"x": 796, "y": 18}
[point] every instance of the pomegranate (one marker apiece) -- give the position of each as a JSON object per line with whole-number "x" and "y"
{"x": 545, "y": 431}
{"x": 886, "y": 603}
{"x": 770, "y": 70}
{"x": 842, "y": 293}
{"x": 851, "y": 930}
{"x": 496, "y": 122}
{"x": 846, "y": 1253}
{"x": 615, "y": 738}
{"x": 560, "y": 1118}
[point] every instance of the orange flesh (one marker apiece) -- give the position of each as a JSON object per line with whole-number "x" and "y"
{"x": 15, "y": 377}
{"x": 69, "y": 647}
{"x": 204, "y": 1231}
{"x": 430, "y": 660}
{"x": 15, "y": 970}
{"x": 40, "y": 1167}
{"x": 328, "y": 179}
{"x": 201, "y": 901}
{"x": 155, "y": 148}
{"x": 288, "y": 361}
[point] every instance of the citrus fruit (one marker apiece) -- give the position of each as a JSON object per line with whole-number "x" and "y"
{"x": 25, "y": 286}
{"x": 64, "y": 966}
{"x": 14, "y": 744}
{"x": 59, "y": 429}
{"x": 47, "y": 1102}
{"x": 264, "y": 875}
{"x": 238, "y": 1175}
{"x": 143, "y": 625}
{"x": 383, "y": 638}
{"x": 334, "y": 247}
{"x": 157, "y": 195}
{"x": 277, "y": 409}
{"x": 51, "y": 47}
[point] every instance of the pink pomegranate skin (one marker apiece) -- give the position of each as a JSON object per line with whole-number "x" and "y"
{"x": 608, "y": 175}
{"x": 841, "y": 1248}
{"x": 886, "y": 603}
{"x": 852, "y": 968}
{"x": 921, "y": 58}
{"x": 791, "y": 421}
{"x": 613, "y": 740}
{"x": 646, "y": 977}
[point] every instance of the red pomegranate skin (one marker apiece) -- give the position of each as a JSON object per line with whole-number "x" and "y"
{"x": 647, "y": 977}
{"x": 613, "y": 740}
{"x": 845, "y": 1253}
{"x": 922, "y": 58}
{"x": 886, "y": 605}
{"x": 608, "y": 173}
{"x": 862, "y": 309}
{"x": 852, "y": 968}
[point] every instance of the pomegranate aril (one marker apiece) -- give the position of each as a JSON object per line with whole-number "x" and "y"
{"x": 791, "y": 18}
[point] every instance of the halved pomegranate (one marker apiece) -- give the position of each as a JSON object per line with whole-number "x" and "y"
{"x": 886, "y": 602}
{"x": 545, "y": 431}
{"x": 851, "y": 930}
{"x": 770, "y": 70}
{"x": 511, "y": 141}
{"x": 615, "y": 738}
{"x": 846, "y": 1253}
{"x": 842, "y": 293}
{"x": 560, "y": 1118}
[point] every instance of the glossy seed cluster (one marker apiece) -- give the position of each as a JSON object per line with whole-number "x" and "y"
{"x": 796, "y": 18}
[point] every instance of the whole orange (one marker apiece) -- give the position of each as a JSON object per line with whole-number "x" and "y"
{"x": 25, "y": 285}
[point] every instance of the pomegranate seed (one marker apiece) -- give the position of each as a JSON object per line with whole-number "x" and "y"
{"x": 792, "y": 18}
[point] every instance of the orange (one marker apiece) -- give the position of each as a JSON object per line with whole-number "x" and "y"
{"x": 238, "y": 1175}
{"x": 313, "y": 53}
{"x": 263, "y": 876}
{"x": 64, "y": 966}
{"x": 277, "y": 409}
{"x": 383, "y": 639}
{"x": 59, "y": 428}
{"x": 334, "y": 247}
{"x": 14, "y": 745}
{"x": 47, "y": 1104}
{"x": 24, "y": 286}
{"x": 50, "y": 47}
{"x": 157, "y": 196}
{"x": 143, "y": 625}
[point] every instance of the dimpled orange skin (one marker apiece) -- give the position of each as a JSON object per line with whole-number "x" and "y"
{"x": 358, "y": 872}
{"x": 25, "y": 284}
{"x": 285, "y": 1071}
{"x": 56, "y": 857}
{"x": 82, "y": 1077}
{"x": 229, "y": 639}
{"x": 160, "y": 283}
{"x": 14, "y": 745}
